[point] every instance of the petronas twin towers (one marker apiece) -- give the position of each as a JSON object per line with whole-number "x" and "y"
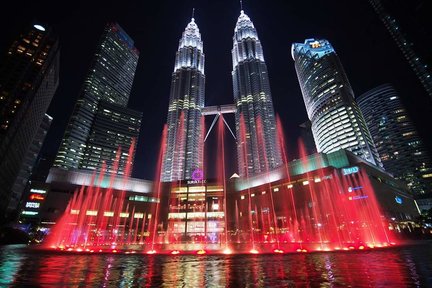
{"x": 258, "y": 148}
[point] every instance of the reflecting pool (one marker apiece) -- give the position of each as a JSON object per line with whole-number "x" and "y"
{"x": 403, "y": 266}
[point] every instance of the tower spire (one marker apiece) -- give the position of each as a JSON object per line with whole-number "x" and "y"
{"x": 193, "y": 13}
{"x": 241, "y": 5}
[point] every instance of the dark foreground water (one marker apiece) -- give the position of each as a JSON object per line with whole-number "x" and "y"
{"x": 404, "y": 266}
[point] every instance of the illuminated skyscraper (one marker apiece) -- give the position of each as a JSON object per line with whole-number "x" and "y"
{"x": 407, "y": 21}
{"x": 184, "y": 143}
{"x": 337, "y": 122}
{"x": 101, "y": 122}
{"x": 401, "y": 150}
{"x": 29, "y": 77}
{"x": 257, "y": 147}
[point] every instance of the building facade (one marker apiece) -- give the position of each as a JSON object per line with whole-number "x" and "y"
{"x": 113, "y": 126}
{"x": 24, "y": 176}
{"x": 29, "y": 77}
{"x": 258, "y": 149}
{"x": 47, "y": 202}
{"x": 337, "y": 122}
{"x": 401, "y": 150}
{"x": 322, "y": 197}
{"x": 88, "y": 139}
{"x": 184, "y": 140}
{"x": 407, "y": 23}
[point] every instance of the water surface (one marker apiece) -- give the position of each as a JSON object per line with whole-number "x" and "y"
{"x": 404, "y": 266}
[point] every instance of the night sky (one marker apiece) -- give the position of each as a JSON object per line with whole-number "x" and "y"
{"x": 369, "y": 55}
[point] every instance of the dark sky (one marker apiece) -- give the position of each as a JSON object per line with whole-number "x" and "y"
{"x": 368, "y": 54}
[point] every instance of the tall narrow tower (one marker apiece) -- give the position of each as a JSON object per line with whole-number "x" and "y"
{"x": 337, "y": 122}
{"x": 257, "y": 147}
{"x": 184, "y": 143}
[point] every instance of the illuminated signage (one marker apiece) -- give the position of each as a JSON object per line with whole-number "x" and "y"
{"x": 398, "y": 200}
{"x": 37, "y": 197}
{"x": 196, "y": 181}
{"x": 39, "y": 191}
{"x": 350, "y": 170}
{"x": 315, "y": 44}
{"x": 358, "y": 197}
{"x": 32, "y": 205}
{"x": 351, "y": 189}
{"x": 198, "y": 175}
{"x": 30, "y": 213}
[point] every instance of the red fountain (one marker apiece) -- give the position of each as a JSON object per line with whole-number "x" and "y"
{"x": 318, "y": 209}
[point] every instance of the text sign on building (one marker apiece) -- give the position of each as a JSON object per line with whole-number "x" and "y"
{"x": 32, "y": 205}
{"x": 34, "y": 202}
{"x": 39, "y": 191}
{"x": 350, "y": 170}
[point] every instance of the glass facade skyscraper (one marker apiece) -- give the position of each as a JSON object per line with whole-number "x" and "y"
{"x": 95, "y": 130}
{"x": 401, "y": 150}
{"x": 337, "y": 122}
{"x": 258, "y": 149}
{"x": 184, "y": 142}
{"x": 417, "y": 52}
{"x": 29, "y": 77}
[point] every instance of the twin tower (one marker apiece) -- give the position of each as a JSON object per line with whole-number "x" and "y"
{"x": 258, "y": 147}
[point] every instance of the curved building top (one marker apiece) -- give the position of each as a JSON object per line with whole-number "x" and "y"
{"x": 244, "y": 28}
{"x": 190, "y": 51}
{"x": 312, "y": 48}
{"x": 191, "y": 37}
{"x": 244, "y": 32}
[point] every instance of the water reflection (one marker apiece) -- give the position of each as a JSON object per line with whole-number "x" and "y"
{"x": 10, "y": 263}
{"x": 408, "y": 266}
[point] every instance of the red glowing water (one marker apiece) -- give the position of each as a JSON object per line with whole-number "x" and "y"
{"x": 315, "y": 211}
{"x": 94, "y": 215}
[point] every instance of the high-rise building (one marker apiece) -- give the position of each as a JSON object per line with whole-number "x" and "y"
{"x": 408, "y": 22}
{"x": 101, "y": 121}
{"x": 337, "y": 122}
{"x": 258, "y": 149}
{"x": 113, "y": 126}
{"x": 29, "y": 77}
{"x": 184, "y": 142}
{"x": 401, "y": 150}
{"x": 29, "y": 162}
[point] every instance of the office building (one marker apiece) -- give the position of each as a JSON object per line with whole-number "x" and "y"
{"x": 402, "y": 152}
{"x": 29, "y": 77}
{"x": 337, "y": 122}
{"x": 101, "y": 121}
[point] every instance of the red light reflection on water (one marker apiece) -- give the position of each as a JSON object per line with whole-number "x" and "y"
{"x": 378, "y": 267}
